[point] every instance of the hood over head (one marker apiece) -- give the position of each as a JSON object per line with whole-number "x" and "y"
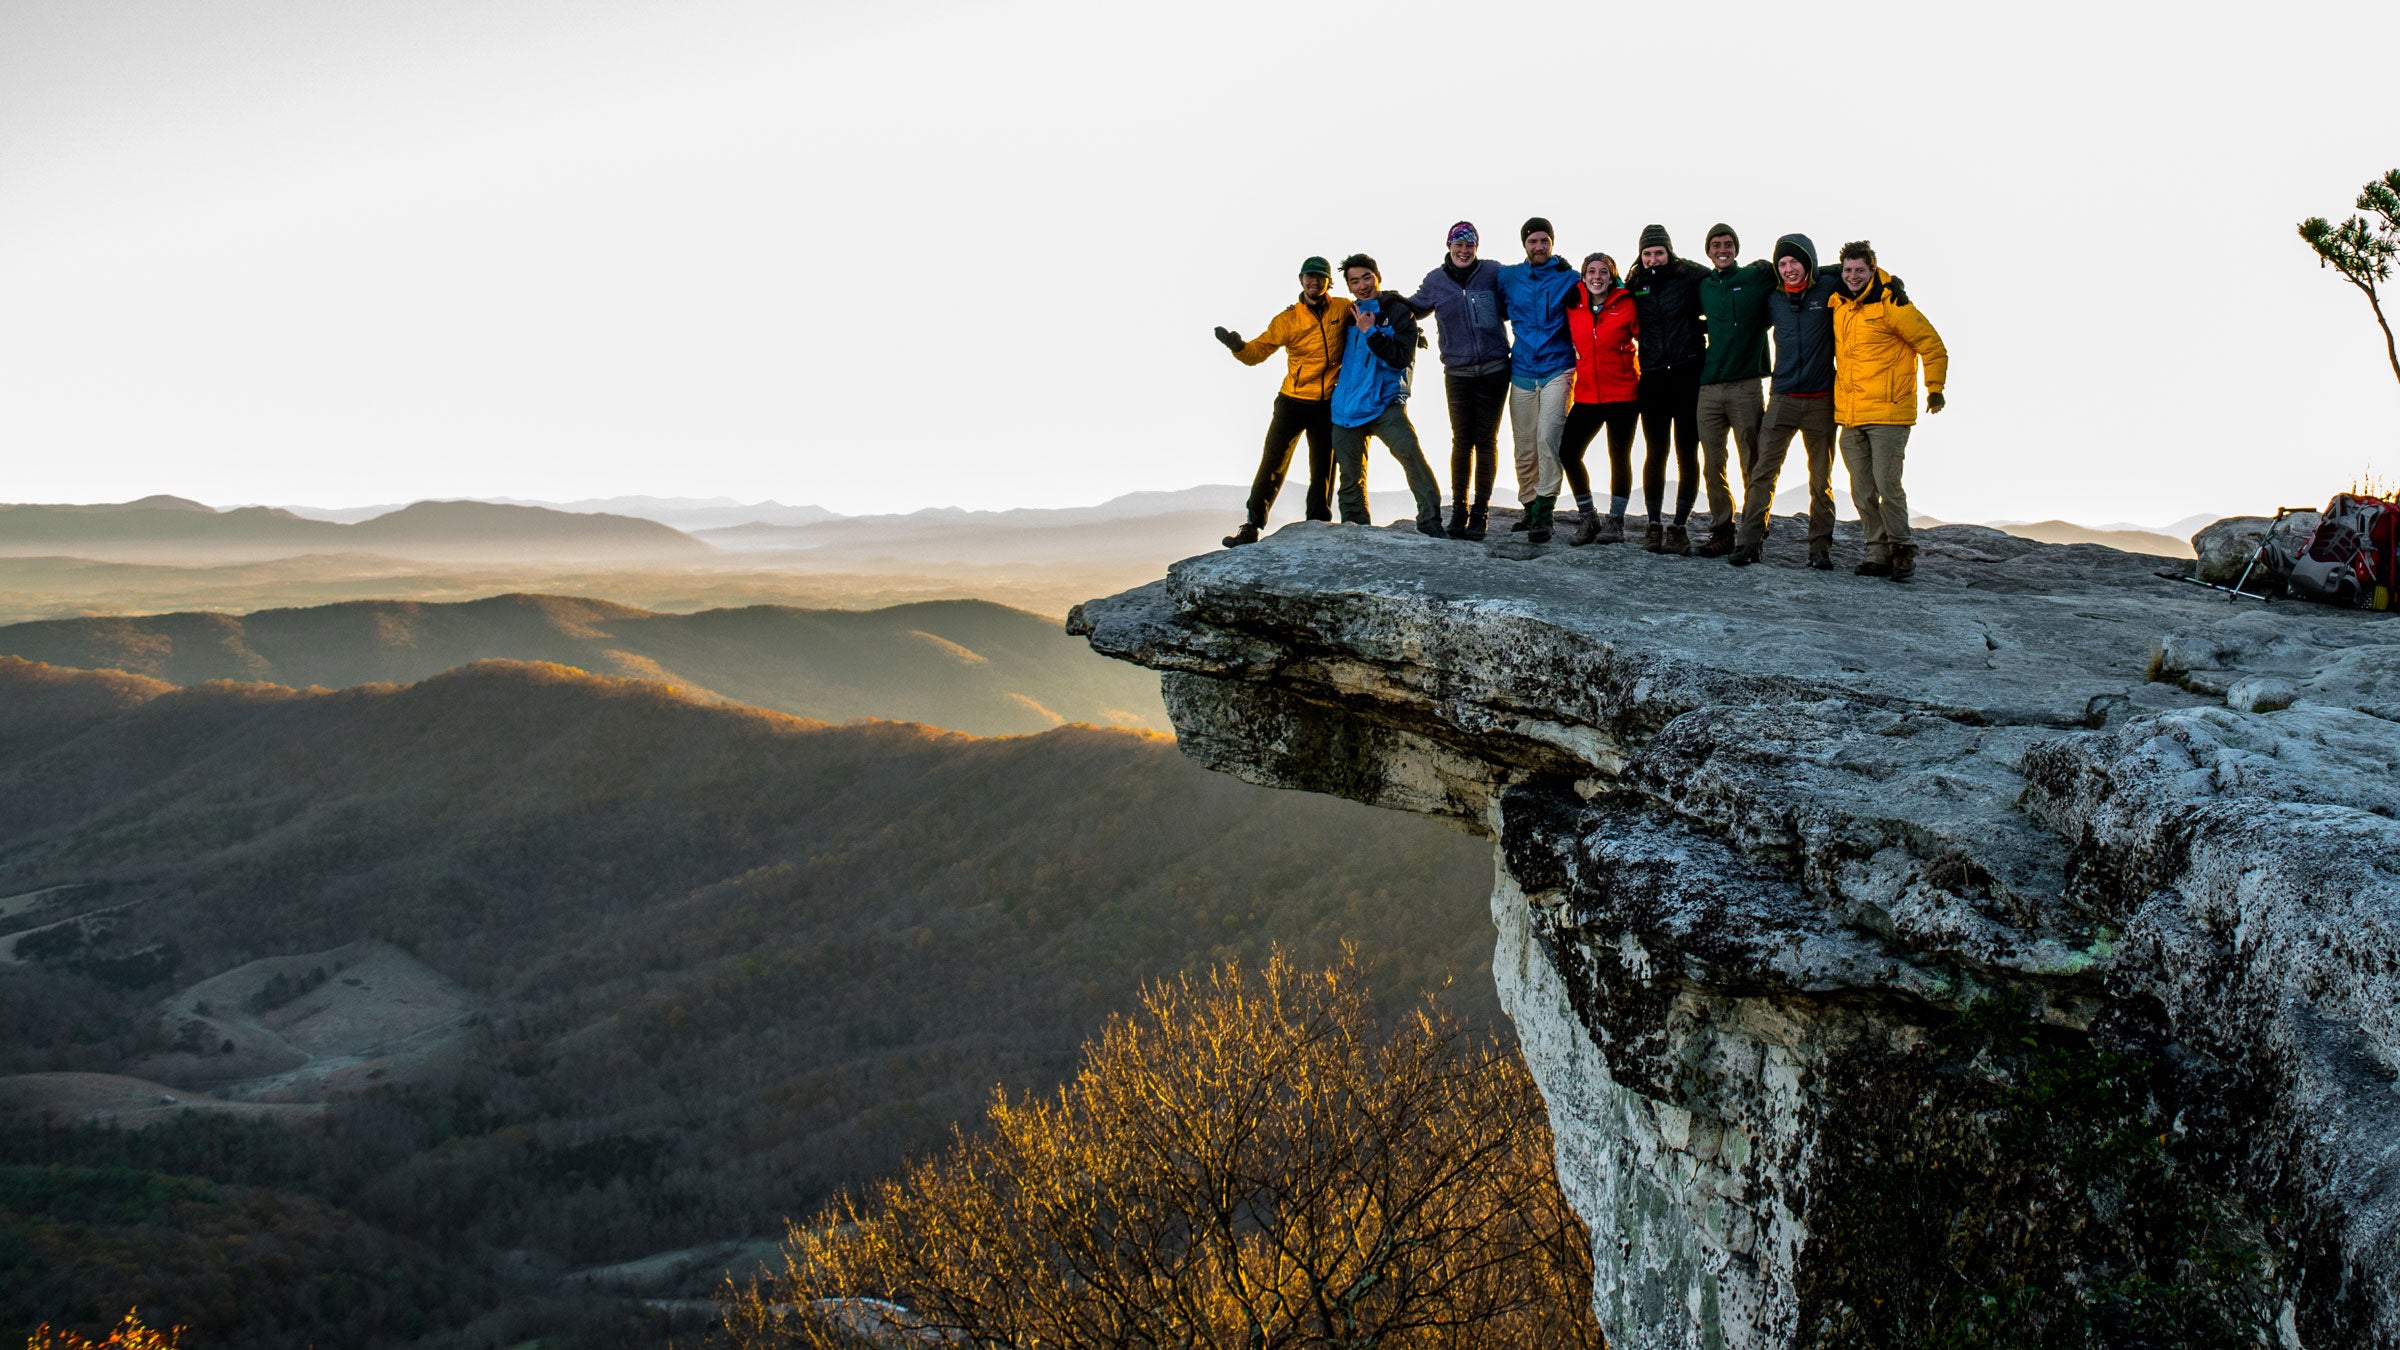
{"x": 1797, "y": 246}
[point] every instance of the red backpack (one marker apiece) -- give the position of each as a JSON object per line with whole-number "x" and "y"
{"x": 2351, "y": 558}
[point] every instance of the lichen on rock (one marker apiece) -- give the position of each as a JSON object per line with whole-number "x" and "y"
{"x": 2012, "y": 957}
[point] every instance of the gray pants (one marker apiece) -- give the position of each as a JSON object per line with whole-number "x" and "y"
{"x": 1875, "y": 456}
{"x": 1786, "y": 417}
{"x": 1350, "y": 464}
{"x": 1537, "y": 417}
{"x": 1727, "y": 406}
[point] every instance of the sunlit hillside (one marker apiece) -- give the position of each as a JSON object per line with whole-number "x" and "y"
{"x": 585, "y": 970}
{"x": 965, "y": 665}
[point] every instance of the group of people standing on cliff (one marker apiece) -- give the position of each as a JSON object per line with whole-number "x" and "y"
{"x": 1676, "y": 346}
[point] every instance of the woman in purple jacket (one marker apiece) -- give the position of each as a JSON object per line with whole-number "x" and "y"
{"x": 1463, "y": 295}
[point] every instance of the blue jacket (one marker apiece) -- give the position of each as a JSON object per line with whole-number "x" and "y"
{"x": 1375, "y": 372}
{"x": 1469, "y": 316}
{"x": 1536, "y": 299}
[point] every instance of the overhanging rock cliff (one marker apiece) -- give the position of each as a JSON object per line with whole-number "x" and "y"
{"x": 2013, "y": 953}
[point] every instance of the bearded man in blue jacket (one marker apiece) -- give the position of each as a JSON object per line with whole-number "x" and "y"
{"x": 1541, "y": 369}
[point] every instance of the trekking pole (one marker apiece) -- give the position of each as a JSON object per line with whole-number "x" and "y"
{"x": 2235, "y": 590}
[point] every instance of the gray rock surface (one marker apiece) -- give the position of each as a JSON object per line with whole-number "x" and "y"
{"x": 2014, "y": 950}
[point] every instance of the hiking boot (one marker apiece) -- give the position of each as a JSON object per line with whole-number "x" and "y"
{"x": 1720, "y": 542}
{"x": 1904, "y": 562}
{"x": 1744, "y": 556}
{"x": 1477, "y": 519}
{"x": 1432, "y": 528}
{"x": 1587, "y": 529}
{"x": 1612, "y": 531}
{"x": 1872, "y": 568}
{"x": 1679, "y": 541}
{"x": 1248, "y": 534}
{"x": 1820, "y": 557}
{"x": 1651, "y": 538}
{"x": 1539, "y": 513}
{"x": 1458, "y": 521}
{"x": 1524, "y": 519}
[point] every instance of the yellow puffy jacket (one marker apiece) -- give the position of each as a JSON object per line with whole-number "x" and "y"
{"x": 1877, "y": 341}
{"x": 1311, "y": 341}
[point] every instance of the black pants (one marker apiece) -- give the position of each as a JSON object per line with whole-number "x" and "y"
{"x": 1584, "y": 421}
{"x": 1670, "y": 398}
{"x": 1475, "y": 405}
{"x": 1295, "y": 417}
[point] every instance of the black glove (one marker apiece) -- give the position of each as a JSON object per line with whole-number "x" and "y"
{"x": 1231, "y": 339}
{"x": 1897, "y": 291}
{"x": 1933, "y": 401}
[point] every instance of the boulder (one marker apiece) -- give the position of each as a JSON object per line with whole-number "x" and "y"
{"x": 2226, "y": 547}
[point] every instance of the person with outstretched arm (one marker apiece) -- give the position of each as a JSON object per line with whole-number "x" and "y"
{"x": 1370, "y": 397}
{"x": 1799, "y": 402}
{"x": 1733, "y": 304}
{"x": 1541, "y": 370}
{"x": 1310, "y": 334}
{"x": 1602, "y": 324}
{"x": 1878, "y": 340}
{"x": 1666, "y": 294}
{"x": 1463, "y": 296}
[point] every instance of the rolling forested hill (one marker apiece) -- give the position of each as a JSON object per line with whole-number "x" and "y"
{"x": 648, "y": 971}
{"x": 963, "y": 664}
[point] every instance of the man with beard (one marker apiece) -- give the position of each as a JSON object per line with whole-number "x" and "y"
{"x": 1463, "y": 295}
{"x": 1541, "y": 371}
{"x": 1666, "y": 297}
{"x": 1310, "y": 334}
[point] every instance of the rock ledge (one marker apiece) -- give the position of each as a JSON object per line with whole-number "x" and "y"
{"x": 1810, "y": 885}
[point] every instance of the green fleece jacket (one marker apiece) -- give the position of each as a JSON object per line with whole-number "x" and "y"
{"x": 1735, "y": 301}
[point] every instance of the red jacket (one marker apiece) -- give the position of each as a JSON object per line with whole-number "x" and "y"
{"x": 1606, "y": 367}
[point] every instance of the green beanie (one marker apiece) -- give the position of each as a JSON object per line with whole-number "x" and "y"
{"x": 1724, "y": 229}
{"x": 1656, "y": 236}
{"x": 1317, "y": 267}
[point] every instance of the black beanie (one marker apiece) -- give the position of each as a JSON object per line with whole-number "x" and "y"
{"x": 1537, "y": 223}
{"x": 1724, "y": 229}
{"x": 1657, "y": 235}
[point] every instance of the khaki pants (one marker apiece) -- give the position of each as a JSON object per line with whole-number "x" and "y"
{"x": 1727, "y": 406}
{"x": 1875, "y": 456}
{"x": 1537, "y": 417}
{"x": 1786, "y": 417}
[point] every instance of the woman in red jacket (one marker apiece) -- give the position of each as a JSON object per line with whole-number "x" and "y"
{"x": 1603, "y": 326}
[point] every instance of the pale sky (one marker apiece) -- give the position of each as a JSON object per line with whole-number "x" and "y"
{"x": 884, "y": 257}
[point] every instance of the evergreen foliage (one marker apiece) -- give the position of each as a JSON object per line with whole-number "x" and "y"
{"x": 2362, "y": 249}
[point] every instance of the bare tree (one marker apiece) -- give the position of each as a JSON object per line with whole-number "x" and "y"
{"x": 2362, "y": 250}
{"x": 1250, "y": 1162}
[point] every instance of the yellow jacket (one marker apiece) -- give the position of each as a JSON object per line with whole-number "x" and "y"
{"x": 1877, "y": 341}
{"x": 1312, "y": 342}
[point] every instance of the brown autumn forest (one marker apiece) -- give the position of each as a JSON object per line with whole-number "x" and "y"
{"x": 683, "y": 968}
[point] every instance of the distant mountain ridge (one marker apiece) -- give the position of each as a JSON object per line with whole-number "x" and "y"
{"x": 176, "y": 527}
{"x": 962, "y": 664}
{"x": 683, "y": 513}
